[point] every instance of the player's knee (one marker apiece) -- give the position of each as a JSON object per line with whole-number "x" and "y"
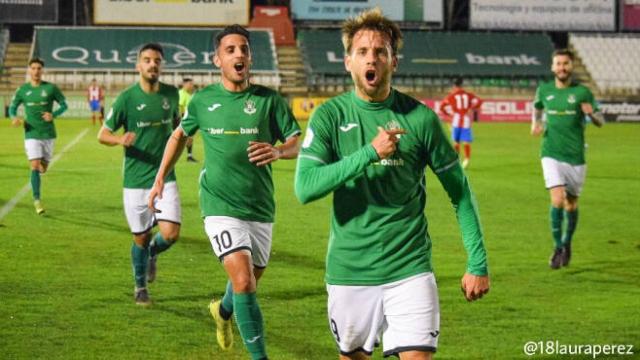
{"x": 142, "y": 240}
{"x": 243, "y": 283}
{"x": 171, "y": 236}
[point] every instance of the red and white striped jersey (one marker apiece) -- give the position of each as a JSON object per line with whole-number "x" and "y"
{"x": 458, "y": 104}
{"x": 95, "y": 93}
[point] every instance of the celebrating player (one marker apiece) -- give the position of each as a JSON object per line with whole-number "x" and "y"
{"x": 370, "y": 148}
{"x": 564, "y": 104}
{"x": 458, "y": 104}
{"x": 240, "y": 124}
{"x": 95, "y": 97}
{"x": 148, "y": 112}
{"x": 39, "y": 130}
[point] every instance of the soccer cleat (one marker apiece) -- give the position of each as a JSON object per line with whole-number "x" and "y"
{"x": 465, "y": 163}
{"x": 39, "y": 208}
{"x": 556, "y": 259}
{"x": 566, "y": 255}
{"x": 191, "y": 159}
{"x": 224, "y": 328}
{"x": 142, "y": 297}
{"x": 152, "y": 268}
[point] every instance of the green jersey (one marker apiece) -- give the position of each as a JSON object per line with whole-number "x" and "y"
{"x": 38, "y": 100}
{"x": 151, "y": 116}
{"x": 230, "y": 185}
{"x": 378, "y": 227}
{"x": 185, "y": 98}
{"x": 563, "y": 137}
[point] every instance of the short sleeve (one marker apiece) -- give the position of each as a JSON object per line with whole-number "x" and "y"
{"x": 317, "y": 141}
{"x": 284, "y": 119}
{"x": 116, "y": 116}
{"x": 189, "y": 123}
{"x": 439, "y": 152}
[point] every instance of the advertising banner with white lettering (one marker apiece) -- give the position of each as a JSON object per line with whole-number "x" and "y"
{"x": 621, "y": 111}
{"x": 171, "y": 12}
{"x": 630, "y": 14}
{"x": 28, "y": 11}
{"x": 551, "y": 15}
{"x": 493, "y": 110}
{"x": 429, "y": 11}
{"x": 116, "y": 48}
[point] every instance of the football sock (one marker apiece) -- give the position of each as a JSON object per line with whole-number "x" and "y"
{"x": 467, "y": 151}
{"x": 556, "y": 225}
{"x": 35, "y": 184}
{"x": 572, "y": 222}
{"x": 190, "y": 150}
{"x": 139, "y": 259}
{"x": 249, "y": 320}
{"x": 159, "y": 244}
{"x": 226, "y": 306}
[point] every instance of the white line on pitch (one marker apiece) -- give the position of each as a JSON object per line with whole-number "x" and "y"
{"x": 25, "y": 189}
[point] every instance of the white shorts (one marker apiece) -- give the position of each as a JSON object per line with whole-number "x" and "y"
{"x": 140, "y": 218}
{"x": 228, "y": 235}
{"x": 405, "y": 313}
{"x": 557, "y": 173}
{"x": 39, "y": 149}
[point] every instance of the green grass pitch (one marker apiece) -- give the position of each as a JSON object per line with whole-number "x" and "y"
{"x": 66, "y": 284}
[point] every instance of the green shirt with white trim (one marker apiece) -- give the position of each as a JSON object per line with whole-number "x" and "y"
{"x": 230, "y": 185}
{"x": 378, "y": 226}
{"x": 563, "y": 137}
{"x": 151, "y": 116}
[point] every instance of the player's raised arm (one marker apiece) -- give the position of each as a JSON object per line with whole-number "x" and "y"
{"x": 316, "y": 178}
{"x": 172, "y": 152}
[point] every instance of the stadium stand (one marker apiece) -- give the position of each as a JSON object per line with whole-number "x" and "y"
{"x": 612, "y": 60}
{"x": 4, "y": 42}
{"x": 76, "y": 55}
{"x": 432, "y": 59}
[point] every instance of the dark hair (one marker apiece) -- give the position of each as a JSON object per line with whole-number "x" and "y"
{"x": 563, "y": 52}
{"x": 186, "y": 80}
{"x": 229, "y": 30}
{"x": 151, "y": 46}
{"x": 36, "y": 60}
{"x": 458, "y": 81}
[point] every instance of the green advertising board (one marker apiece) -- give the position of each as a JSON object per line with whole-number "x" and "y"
{"x": 95, "y": 48}
{"x": 437, "y": 54}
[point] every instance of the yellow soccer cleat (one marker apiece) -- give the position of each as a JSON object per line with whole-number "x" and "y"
{"x": 224, "y": 328}
{"x": 39, "y": 208}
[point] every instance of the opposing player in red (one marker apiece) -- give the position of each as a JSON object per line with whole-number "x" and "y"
{"x": 458, "y": 105}
{"x": 95, "y": 97}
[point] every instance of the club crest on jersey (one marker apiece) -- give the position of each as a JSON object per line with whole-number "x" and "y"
{"x": 250, "y": 107}
{"x": 393, "y": 125}
{"x": 165, "y": 104}
{"x": 571, "y": 99}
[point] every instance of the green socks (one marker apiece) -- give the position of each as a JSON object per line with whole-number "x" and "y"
{"x": 140, "y": 259}
{"x": 249, "y": 320}
{"x": 572, "y": 222}
{"x": 226, "y": 307}
{"x": 35, "y": 184}
{"x": 556, "y": 225}
{"x": 159, "y": 244}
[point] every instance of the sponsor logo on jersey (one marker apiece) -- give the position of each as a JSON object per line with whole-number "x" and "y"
{"x": 571, "y": 99}
{"x": 213, "y": 107}
{"x": 390, "y": 162}
{"x": 165, "y": 104}
{"x": 141, "y": 106}
{"x": 43, "y": 93}
{"x": 550, "y": 97}
{"x": 215, "y": 131}
{"x": 348, "y": 127}
{"x": 250, "y": 107}
{"x": 242, "y": 131}
{"x": 28, "y": 93}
